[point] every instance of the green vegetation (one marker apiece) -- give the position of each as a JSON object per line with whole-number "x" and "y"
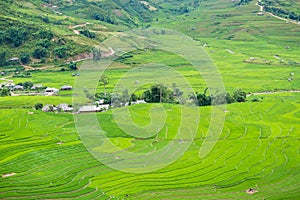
{"x": 44, "y": 157}
{"x": 286, "y": 8}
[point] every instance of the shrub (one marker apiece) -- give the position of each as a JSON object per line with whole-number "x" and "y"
{"x": 38, "y": 106}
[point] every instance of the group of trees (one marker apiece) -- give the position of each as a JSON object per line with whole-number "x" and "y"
{"x": 159, "y": 93}
{"x": 87, "y": 33}
{"x": 4, "y": 92}
{"x": 279, "y": 8}
{"x": 162, "y": 94}
{"x": 15, "y": 36}
{"x": 27, "y": 85}
{"x": 203, "y": 99}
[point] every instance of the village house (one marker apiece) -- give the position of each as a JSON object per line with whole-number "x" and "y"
{"x": 36, "y": 86}
{"x": 99, "y": 102}
{"x": 48, "y": 108}
{"x": 66, "y": 87}
{"x": 14, "y": 59}
{"x": 51, "y": 90}
{"x": 63, "y": 107}
{"x": 18, "y": 87}
{"x": 93, "y": 108}
{"x": 138, "y": 102}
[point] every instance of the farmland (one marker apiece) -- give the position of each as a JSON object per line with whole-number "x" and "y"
{"x": 258, "y": 148}
{"x": 198, "y": 152}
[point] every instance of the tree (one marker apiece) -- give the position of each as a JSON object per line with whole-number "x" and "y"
{"x": 44, "y": 43}
{"x": 2, "y": 58}
{"x": 60, "y": 52}
{"x": 104, "y": 80}
{"x": 4, "y": 92}
{"x": 239, "y": 95}
{"x": 15, "y": 36}
{"x": 133, "y": 97}
{"x": 73, "y": 66}
{"x": 25, "y": 58}
{"x": 38, "y": 106}
{"x": 87, "y": 33}
{"x": 158, "y": 93}
{"x": 45, "y": 34}
{"x": 39, "y": 52}
{"x": 96, "y": 54}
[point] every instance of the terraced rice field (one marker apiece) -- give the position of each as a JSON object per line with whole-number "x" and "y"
{"x": 42, "y": 156}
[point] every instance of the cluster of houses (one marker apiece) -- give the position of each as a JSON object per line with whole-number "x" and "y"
{"x": 99, "y": 106}
{"x": 63, "y": 107}
{"x": 47, "y": 90}
{"x": 53, "y": 91}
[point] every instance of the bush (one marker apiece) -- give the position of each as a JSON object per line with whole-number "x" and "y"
{"x": 38, "y": 106}
{"x": 39, "y": 52}
{"x": 60, "y": 52}
{"x": 25, "y": 58}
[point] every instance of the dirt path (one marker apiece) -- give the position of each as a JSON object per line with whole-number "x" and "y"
{"x": 283, "y": 91}
{"x": 261, "y": 9}
{"x": 76, "y": 26}
{"x": 27, "y": 94}
{"x": 107, "y": 54}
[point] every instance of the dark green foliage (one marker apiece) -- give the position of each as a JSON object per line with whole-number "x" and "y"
{"x": 2, "y": 58}
{"x": 39, "y": 52}
{"x": 87, "y": 33}
{"x": 72, "y": 66}
{"x": 133, "y": 97}
{"x": 4, "y": 92}
{"x": 107, "y": 97}
{"x": 280, "y": 8}
{"x": 159, "y": 93}
{"x": 202, "y": 99}
{"x": 45, "y": 34}
{"x": 44, "y": 43}
{"x": 27, "y": 85}
{"x": 60, "y": 52}
{"x": 46, "y": 19}
{"x": 25, "y": 58}
{"x": 15, "y": 36}
{"x": 239, "y": 95}
{"x": 38, "y": 106}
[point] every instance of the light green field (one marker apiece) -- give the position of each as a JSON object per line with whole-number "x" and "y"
{"x": 258, "y": 148}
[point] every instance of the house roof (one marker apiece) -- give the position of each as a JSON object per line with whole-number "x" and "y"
{"x": 51, "y": 89}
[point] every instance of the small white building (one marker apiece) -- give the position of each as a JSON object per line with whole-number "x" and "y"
{"x": 66, "y": 87}
{"x": 99, "y": 102}
{"x": 93, "y": 108}
{"x": 138, "y": 102}
{"x": 48, "y": 108}
{"x": 51, "y": 90}
{"x": 18, "y": 87}
{"x": 36, "y": 86}
{"x": 64, "y": 107}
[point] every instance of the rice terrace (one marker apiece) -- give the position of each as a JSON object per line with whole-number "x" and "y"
{"x": 154, "y": 99}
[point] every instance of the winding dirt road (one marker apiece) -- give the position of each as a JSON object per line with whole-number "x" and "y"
{"x": 261, "y": 9}
{"x": 267, "y": 92}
